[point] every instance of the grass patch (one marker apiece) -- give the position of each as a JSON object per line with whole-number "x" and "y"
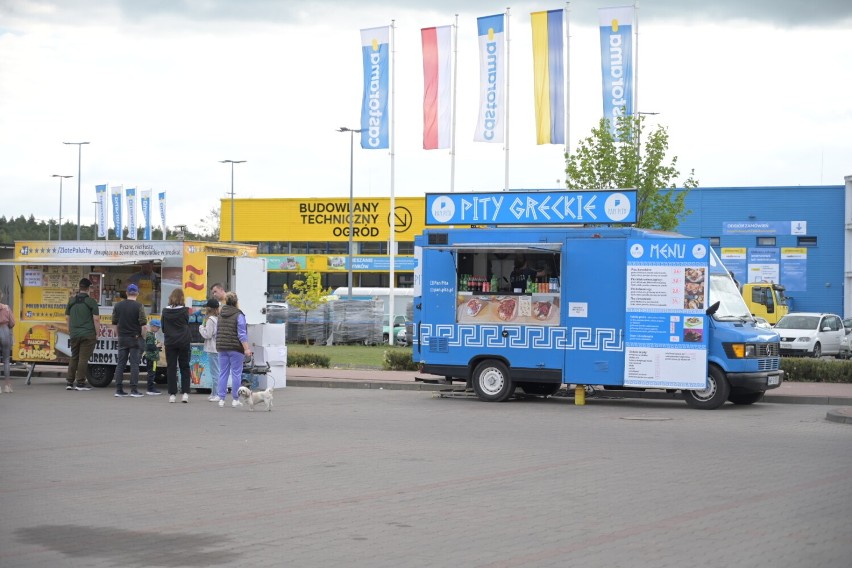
{"x": 350, "y": 356}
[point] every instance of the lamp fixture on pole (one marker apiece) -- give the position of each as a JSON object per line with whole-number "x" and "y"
{"x": 60, "y": 200}
{"x": 79, "y": 162}
{"x": 351, "y": 132}
{"x": 232, "y": 162}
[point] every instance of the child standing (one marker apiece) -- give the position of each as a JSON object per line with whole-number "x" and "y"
{"x": 152, "y": 354}
{"x": 208, "y": 332}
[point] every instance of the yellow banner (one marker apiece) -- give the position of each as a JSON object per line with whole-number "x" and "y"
{"x": 318, "y": 219}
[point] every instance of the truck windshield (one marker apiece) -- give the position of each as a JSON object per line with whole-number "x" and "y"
{"x": 731, "y": 303}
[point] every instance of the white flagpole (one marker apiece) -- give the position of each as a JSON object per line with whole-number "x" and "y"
{"x": 567, "y": 83}
{"x": 506, "y": 114}
{"x": 636, "y": 60}
{"x": 392, "y": 217}
{"x": 455, "y": 88}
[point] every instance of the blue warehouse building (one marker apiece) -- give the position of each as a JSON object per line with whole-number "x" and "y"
{"x": 797, "y": 236}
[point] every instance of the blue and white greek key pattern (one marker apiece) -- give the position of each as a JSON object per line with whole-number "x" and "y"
{"x": 521, "y": 337}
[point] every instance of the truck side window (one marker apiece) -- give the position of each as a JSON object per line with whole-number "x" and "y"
{"x": 757, "y": 296}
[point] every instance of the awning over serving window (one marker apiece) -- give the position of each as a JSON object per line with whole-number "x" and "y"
{"x": 499, "y": 247}
{"x": 82, "y": 262}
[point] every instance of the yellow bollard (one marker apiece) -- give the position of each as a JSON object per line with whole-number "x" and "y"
{"x": 579, "y": 395}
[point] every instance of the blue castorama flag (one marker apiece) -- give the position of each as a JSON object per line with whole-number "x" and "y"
{"x": 116, "y": 192}
{"x": 130, "y": 192}
{"x": 146, "y": 213}
{"x": 616, "y": 25}
{"x": 162, "y": 204}
{"x": 492, "y": 79}
{"x": 375, "y": 49}
{"x": 101, "y": 198}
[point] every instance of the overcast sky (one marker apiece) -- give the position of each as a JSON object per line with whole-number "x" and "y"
{"x": 753, "y": 94}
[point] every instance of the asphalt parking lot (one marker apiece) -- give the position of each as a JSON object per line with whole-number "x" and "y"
{"x": 368, "y": 477}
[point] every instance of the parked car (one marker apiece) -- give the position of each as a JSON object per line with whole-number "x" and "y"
{"x": 846, "y": 341}
{"x": 810, "y": 334}
{"x": 398, "y": 324}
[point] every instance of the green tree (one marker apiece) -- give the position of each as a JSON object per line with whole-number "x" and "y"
{"x": 208, "y": 227}
{"x": 632, "y": 159}
{"x": 307, "y": 295}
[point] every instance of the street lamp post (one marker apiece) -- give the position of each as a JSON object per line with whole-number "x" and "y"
{"x": 79, "y": 161}
{"x": 60, "y": 202}
{"x": 351, "y": 195}
{"x": 232, "y": 162}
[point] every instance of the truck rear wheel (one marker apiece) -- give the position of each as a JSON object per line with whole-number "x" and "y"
{"x": 717, "y": 392}
{"x": 492, "y": 381}
{"x": 100, "y": 376}
{"x": 740, "y": 397}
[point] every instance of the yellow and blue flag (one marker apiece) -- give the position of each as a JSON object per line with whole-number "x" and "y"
{"x": 549, "y": 76}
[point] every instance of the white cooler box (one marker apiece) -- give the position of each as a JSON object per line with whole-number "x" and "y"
{"x": 276, "y": 376}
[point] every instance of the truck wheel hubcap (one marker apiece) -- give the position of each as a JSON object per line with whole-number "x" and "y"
{"x": 491, "y": 381}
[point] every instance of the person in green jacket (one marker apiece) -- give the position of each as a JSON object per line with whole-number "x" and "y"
{"x": 83, "y": 320}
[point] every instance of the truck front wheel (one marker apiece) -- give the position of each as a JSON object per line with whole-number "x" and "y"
{"x": 100, "y": 376}
{"x": 492, "y": 381}
{"x": 717, "y": 392}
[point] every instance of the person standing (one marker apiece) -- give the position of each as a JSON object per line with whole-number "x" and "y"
{"x": 129, "y": 316}
{"x": 208, "y": 332}
{"x": 175, "y": 318}
{"x": 7, "y": 322}
{"x": 152, "y": 355}
{"x": 232, "y": 345}
{"x": 218, "y": 292}
{"x": 83, "y": 320}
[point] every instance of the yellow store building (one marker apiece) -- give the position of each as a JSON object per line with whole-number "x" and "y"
{"x": 312, "y": 234}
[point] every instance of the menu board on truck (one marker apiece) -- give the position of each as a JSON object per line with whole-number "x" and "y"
{"x": 666, "y": 328}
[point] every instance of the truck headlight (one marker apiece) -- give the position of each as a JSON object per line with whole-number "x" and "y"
{"x": 740, "y": 350}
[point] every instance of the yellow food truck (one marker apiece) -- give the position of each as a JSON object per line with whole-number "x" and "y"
{"x": 47, "y": 275}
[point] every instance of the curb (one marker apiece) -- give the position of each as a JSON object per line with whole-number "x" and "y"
{"x": 599, "y": 394}
{"x": 842, "y": 415}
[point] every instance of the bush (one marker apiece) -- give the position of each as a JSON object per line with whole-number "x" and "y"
{"x": 801, "y": 369}
{"x": 399, "y": 360}
{"x": 308, "y": 360}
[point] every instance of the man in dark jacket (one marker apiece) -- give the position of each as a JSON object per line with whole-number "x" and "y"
{"x": 81, "y": 316}
{"x": 129, "y": 316}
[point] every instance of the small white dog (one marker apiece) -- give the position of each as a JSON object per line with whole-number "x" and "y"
{"x": 250, "y": 398}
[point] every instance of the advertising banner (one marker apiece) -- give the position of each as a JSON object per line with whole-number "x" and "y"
{"x": 548, "y": 76}
{"x": 531, "y": 207}
{"x": 794, "y": 269}
{"x": 763, "y": 265}
{"x": 146, "y": 214}
{"x": 734, "y": 259}
{"x": 130, "y": 193}
{"x": 492, "y": 79}
{"x": 375, "y": 51}
{"x": 666, "y": 330}
{"x": 437, "y": 86}
{"x": 117, "y": 221}
{"x": 765, "y": 228}
{"x": 162, "y": 205}
{"x": 616, "y": 27}
{"x": 101, "y": 198}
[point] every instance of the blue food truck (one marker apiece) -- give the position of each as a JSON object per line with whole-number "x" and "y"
{"x": 543, "y": 291}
